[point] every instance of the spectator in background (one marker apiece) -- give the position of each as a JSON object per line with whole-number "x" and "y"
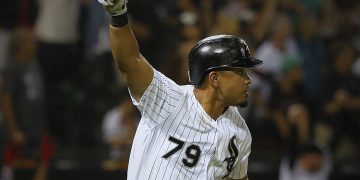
{"x": 254, "y": 18}
{"x": 279, "y": 46}
{"x": 22, "y": 103}
{"x": 206, "y": 10}
{"x": 308, "y": 162}
{"x": 118, "y": 129}
{"x": 96, "y": 41}
{"x": 189, "y": 33}
{"x": 15, "y": 13}
{"x": 58, "y": 34}
{"x": 288, "y": 106}
{"x": 97, "y": 50}
{"x": 313, "y": 52}
{"x": 225, "y": 24}
{"x": 145, "y": 15}
{"x": 341, "y": 97}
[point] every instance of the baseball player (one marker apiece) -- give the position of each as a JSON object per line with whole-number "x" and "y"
{"x": 186, "y": 132}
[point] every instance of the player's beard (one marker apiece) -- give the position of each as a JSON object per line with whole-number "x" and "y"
{"x": 243, "y": 104}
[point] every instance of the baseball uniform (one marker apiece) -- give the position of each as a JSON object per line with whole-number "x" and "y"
{"x": 176, "y": 139}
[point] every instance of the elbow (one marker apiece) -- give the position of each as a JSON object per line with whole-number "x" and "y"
{"x": 128, "y": 63}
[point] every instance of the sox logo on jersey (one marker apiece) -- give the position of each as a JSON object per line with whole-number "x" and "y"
{"x": 234, "y": 153}
{"x": 176, "y": 139}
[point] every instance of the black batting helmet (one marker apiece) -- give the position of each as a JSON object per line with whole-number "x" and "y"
{"x": 220, "y": 52}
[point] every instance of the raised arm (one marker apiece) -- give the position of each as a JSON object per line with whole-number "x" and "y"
{"x": 135, "y": 70}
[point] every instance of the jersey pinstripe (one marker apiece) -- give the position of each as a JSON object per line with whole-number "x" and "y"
{"x": 176, "y": 139}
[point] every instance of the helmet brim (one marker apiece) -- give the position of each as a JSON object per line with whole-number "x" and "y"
{"x": 253, "y": 62}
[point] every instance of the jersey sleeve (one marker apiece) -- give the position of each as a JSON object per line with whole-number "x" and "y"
{"x": 240, "y": 170}
{"x": 159, "y": 99}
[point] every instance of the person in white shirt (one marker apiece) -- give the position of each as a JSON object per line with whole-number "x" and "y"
{"x": 308, "y": 161}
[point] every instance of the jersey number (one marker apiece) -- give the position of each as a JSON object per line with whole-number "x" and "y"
{"x": 192, "y": 152}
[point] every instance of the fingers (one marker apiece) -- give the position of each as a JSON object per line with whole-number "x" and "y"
{"x": 103, "y": 2}
{"x": 106, "y": 2}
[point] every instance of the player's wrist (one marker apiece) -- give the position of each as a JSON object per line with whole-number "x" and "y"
{"x": 119, "y": 20}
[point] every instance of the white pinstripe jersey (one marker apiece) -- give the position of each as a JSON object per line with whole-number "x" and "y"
{"x": 176, "y": 139}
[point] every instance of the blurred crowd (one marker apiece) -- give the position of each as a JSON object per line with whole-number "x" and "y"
{"x": 59, "y": 87}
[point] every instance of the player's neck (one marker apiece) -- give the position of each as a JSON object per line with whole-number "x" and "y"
{"x": 211, "y": 105}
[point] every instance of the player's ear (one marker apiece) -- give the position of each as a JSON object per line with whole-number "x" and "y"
{"x": 213, "y": 78}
